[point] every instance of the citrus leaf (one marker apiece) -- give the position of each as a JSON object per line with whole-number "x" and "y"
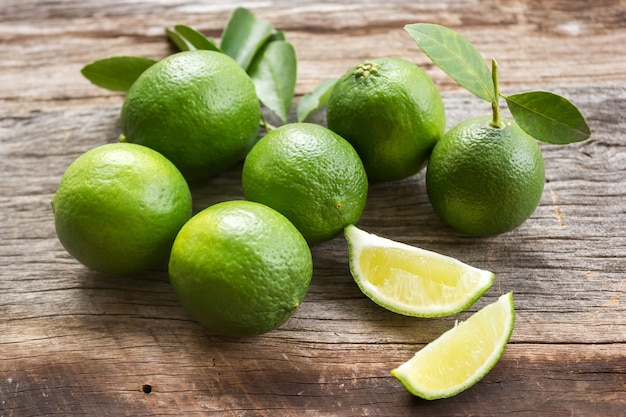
{"x": 179, "y": 41}
{"x": 196, "y": 39}
{"x": 274, "y": 74}
{"x": 244, "y": 35}
{"x": 116, "y": 73}
{"x": 315, "y": 100}
{"x": 277, "y": 35}
{"x": 456, "y": 56}
{"x": 548, "y": 117}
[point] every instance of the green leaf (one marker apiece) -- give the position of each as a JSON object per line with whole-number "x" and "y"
{"x": 116, "y": 73}
{"x": 244, "y": 35}
{"x": 196, "y": 39}
{"x": 315, "y": 100}
{"x": 179, "y": 41}
{"x": 548, "y": 117}
{"x": 277, "y": 35}
{"x": 456, "y": 56}
{"x": 274, "y": 72}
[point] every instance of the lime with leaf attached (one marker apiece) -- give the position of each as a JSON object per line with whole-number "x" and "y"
{"x": 485, "y": 176}
{"x": 485, "y": 180}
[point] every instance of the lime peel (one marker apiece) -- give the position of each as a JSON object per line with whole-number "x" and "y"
{"x": 412, "y": 281}
{"x": 462, "y": 356}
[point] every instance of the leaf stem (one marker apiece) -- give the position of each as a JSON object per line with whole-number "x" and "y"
{"x": 265, "y": 124}
{"x": 495, "y": 106}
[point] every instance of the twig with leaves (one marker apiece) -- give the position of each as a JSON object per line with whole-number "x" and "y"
{"x": 256, "y": 45}
{"x": 545, "y": 116}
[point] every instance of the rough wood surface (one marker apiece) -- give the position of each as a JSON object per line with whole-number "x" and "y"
{"x": 75, "y": 342}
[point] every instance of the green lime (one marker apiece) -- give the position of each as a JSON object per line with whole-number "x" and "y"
{"x": 119, "y": 207}
{"x": 462, "y": 356}
{"x": 240, "y": 268}
{"x": 484, "y": 180}
{"x": 198, "y": 108}
{"x": 412, "y": 281}
{"x": 391, "y": 112}
{"x": 309, "y": 174}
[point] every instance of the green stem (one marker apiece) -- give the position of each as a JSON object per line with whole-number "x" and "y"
{"x": 266, "y": 125}
{"x": 495, "y": 106}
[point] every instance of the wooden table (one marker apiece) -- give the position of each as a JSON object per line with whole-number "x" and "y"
{"x": 76, "y": 342}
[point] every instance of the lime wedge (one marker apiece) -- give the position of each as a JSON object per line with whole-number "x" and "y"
{"x": 412, "y": 281}
{"x": 460, "y": 357}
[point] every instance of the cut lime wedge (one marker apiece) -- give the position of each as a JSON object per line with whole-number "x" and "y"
{"x": 460, "y": 357}
{"x": 412, "y": 281}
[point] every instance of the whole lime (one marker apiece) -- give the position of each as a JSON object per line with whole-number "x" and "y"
{"x": 484, "y": 180}
{"x": 309, "y": 174}
{"x": 198, "y": 108}
{"x": 391, "y": 112}
{"x": 119, "y": 207}
{"x": 240, "y": 268}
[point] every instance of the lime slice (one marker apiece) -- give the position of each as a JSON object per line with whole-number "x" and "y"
{"x": 412, "y": 281}
{"x": 460, "y": 357}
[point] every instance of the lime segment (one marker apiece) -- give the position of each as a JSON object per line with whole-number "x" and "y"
{"x": 412, "y": 281}
{"x": 461, "y": 356}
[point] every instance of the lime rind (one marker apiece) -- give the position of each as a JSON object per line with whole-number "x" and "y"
{"x": 462, "y": 295}
{"x": 501, "y": 312}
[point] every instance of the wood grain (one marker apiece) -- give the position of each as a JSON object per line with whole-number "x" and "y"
{"x": 75, "y": 342}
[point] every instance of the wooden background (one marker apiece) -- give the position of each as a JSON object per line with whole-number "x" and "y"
{"x": 76, "y": 342}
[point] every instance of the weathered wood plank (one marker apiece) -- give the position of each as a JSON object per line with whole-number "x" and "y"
{"x": 75, "y": 342}
{"x": 531, "y": 48}
{"x": 60, "y": 308}
{"x": 273, "y": 377}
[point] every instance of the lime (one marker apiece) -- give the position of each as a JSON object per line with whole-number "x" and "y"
{"x": 391, "y": 112}
{"x": 412, "y": 281}
{"x": 240, "y": 268}
{"x": 461, "y": 356}
{"x": 484, "y": 180}
{"x": 119, "y": 207}
{"x": 198, "y": 108}
{"x": 309, "y": 174}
